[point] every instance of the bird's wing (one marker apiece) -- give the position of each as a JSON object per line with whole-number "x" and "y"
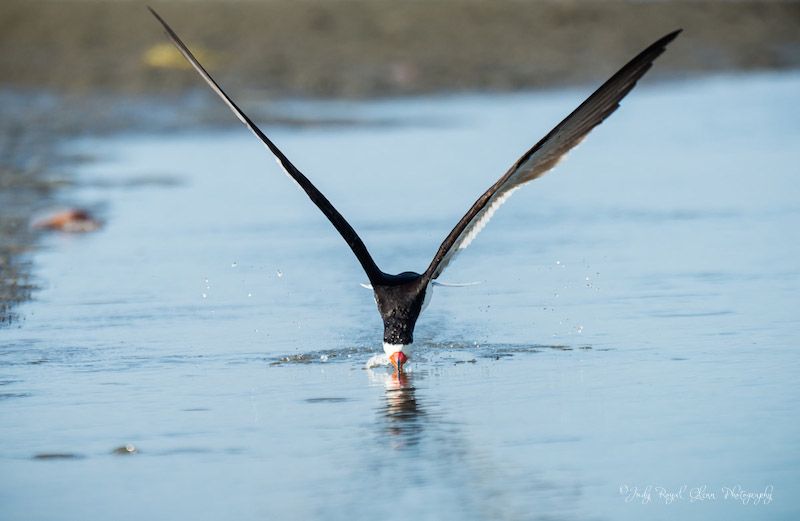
{"x": 348, "y": 233}
{"x": 547, "y": 153}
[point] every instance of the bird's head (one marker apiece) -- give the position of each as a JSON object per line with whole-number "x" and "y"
{"x": 397, "y": 340}
{"x": 398, "y": 354}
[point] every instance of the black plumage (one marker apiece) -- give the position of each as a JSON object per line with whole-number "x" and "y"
{"x": 400, "y": 298}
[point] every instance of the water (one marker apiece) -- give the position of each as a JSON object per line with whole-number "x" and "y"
{"x": 634, "y": 332}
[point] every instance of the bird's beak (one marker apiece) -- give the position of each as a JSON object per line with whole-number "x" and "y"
{"x": 398, "y": 359}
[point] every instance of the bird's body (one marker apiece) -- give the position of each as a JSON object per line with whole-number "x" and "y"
{"x": 401, "y": 298}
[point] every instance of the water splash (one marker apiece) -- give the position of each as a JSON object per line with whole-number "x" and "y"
{"x": 378, "y": 360}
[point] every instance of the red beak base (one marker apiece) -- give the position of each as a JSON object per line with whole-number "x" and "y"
{"x": 398, "y": 360}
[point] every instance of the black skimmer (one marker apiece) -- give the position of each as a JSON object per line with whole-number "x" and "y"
{"x": 402, "y": 297}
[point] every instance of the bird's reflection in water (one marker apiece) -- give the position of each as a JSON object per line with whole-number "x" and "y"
{"x": 402, "y": 413}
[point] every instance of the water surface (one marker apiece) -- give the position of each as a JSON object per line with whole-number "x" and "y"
{"x": 635, "y": 327}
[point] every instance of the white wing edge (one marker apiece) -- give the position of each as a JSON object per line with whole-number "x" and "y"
{"x": 456, "y": 284}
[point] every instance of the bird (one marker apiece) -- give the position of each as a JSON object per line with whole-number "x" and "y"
{"x": 401, "y": 297}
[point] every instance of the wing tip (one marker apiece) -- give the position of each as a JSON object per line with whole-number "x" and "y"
{"x": 154, "y": 13}
{"x": 674, "y": 34}
{"x": 668, "y": 38}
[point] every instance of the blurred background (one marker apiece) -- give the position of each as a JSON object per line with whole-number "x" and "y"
{"x": 376, "y": 48}
{"x": 71, "y": 67}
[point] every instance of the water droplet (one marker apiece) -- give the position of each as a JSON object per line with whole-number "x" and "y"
{"x": 323, "y": 358}
{"x": 558, "y": 262}
{"x": 234, "y": 264}
{"x": 249, "y": 294}
{"x": 205, "y": 295}
{"x": 280, "y": 274}
{"x": 579, "y": 329}
{"x": 125, "y": 450}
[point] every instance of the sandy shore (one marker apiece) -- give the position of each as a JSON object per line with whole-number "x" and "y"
{"x": 373, "y": 48}
{"x": 70, "y": 67}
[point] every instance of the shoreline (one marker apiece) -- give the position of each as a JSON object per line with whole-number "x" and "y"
{"x": 375, "y": 48}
